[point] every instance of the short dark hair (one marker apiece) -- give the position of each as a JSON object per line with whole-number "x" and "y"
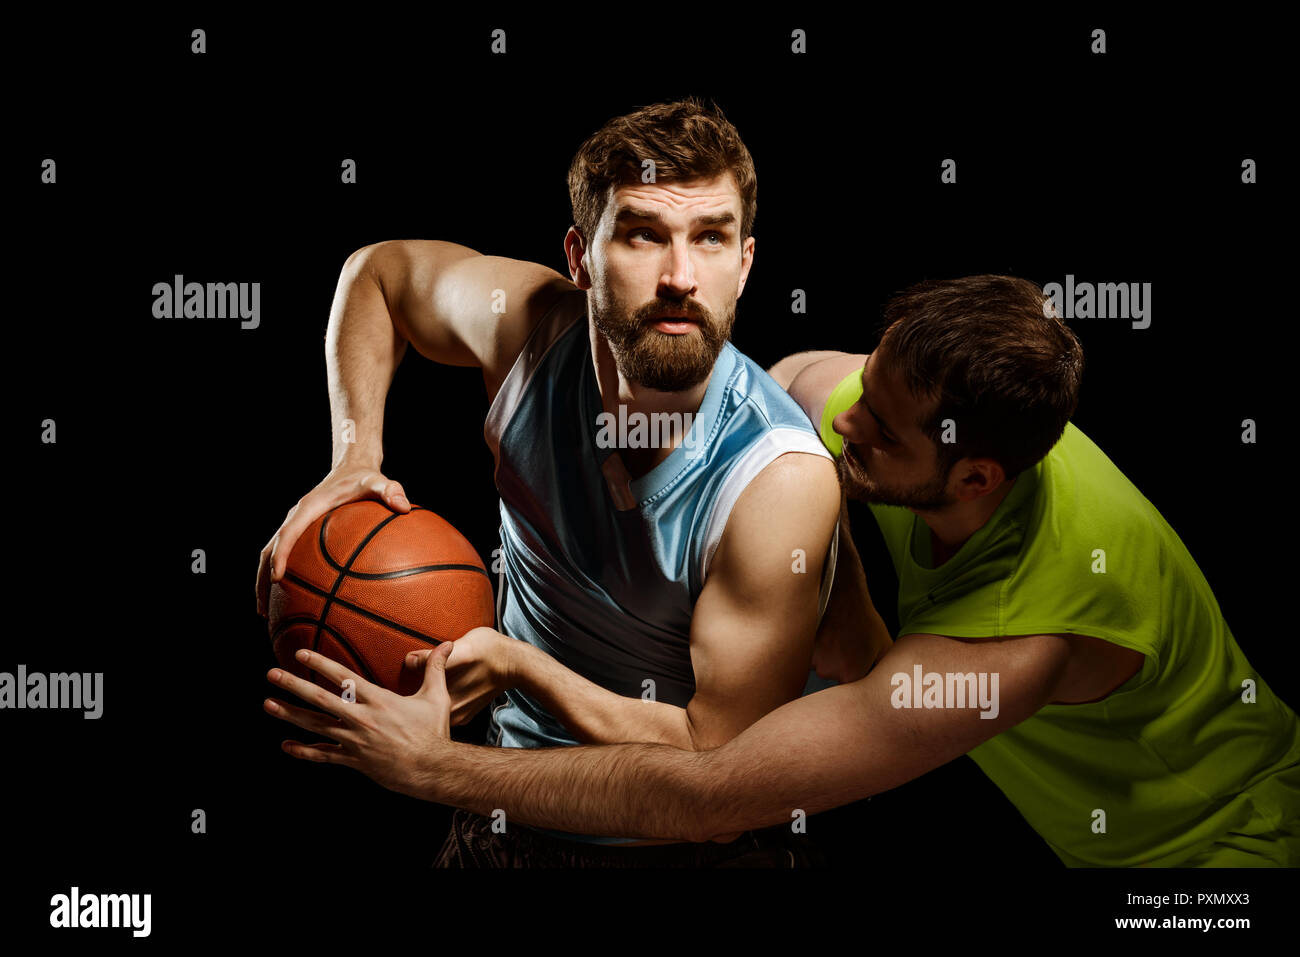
{"x": 687, "y": 139}
{"x": 994, "y": 355}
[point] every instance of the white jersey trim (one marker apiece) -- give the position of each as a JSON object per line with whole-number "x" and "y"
{"x": 761, "y": 454}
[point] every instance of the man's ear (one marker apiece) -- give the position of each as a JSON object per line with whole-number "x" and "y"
{"x": 575, "y": 252}
{"x": 977, "y": 477}
{"x": 746, "y": 262}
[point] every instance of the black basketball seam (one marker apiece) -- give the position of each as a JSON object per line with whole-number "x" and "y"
{"x": 403, "y": 572}
{"x": 321, "y": 626}
{"x": 333, "y": 562}
{"x": 380, "y": 619}
{"x": 324, "y": 612}
{"x": 345, "y": 572}
{"x": 329, "y": 559}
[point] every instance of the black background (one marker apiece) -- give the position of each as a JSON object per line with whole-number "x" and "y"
{"x": 183, "y": 434}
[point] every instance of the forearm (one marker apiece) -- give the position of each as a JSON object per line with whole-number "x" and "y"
{"x": 362, "y": 351}
{"x": 650, "y": 791}
{"x": 595, "y": 715}
{"x": 655, "y": 792}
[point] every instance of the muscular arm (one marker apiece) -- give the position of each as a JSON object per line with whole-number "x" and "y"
{"x": 814, "y": 753}
{"x": 439, "y": 297}
{"x": 752, "y": 627}
{"x": 852, "y": 636}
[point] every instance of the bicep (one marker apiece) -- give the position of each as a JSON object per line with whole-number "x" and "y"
{"x": 754, "y": 623}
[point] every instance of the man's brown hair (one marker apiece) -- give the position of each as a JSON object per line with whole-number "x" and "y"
{"x": 687, "y": 139}
{"x": 1002, "y": 367}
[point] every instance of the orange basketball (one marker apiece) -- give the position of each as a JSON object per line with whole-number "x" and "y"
{"x": 366, "y": 586}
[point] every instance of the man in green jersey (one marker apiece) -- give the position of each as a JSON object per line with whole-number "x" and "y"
{"x": 1052, "y": 625}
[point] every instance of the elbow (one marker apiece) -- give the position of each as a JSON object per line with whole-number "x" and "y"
{"x": 692, "y": 737}
{"x": 360, "y": 266}
{"x": 689, "y": 739}
{"x": 387, "y": 253}
{"x": 359, "y": 256}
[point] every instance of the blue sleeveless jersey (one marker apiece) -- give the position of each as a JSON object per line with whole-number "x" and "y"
{"x": 598, "y": 570}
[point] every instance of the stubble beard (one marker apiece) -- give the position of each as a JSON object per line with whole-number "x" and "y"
{"x": 930, "y": 497}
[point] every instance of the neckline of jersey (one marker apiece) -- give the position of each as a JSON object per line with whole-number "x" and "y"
{"x": 919, "y": 555}
{"x": 654, "y": 482}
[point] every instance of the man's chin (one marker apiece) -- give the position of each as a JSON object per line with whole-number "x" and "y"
{"x": 854, "y": 486}
{"x": 929, "y": 502}
{"x": 870, "y": 496}
{"x": 668, "y": 373}
{"x": 869, "y": 493}
{"x": 666, "y": 384}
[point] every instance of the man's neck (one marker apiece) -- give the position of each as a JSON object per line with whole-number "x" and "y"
{"x": 952, "y": 527}
{"x": 615, "y": 390}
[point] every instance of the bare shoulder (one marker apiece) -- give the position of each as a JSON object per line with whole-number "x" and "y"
{"x": 814, "y": 383}
{"x": 793, "y": 481}
{"x": 793, "y": 503}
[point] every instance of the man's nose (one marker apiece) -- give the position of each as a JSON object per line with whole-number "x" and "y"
{"x": 680, "y": 277}
{"x": 845, "y": 426}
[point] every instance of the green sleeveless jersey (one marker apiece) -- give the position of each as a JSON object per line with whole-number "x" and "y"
{"x": 1193, "y": 761}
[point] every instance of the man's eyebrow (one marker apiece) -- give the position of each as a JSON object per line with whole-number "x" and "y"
{"x": 649, "y": 215}
{"x": 889, "y": 433}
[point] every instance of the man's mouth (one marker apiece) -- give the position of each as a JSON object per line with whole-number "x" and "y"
{"x": 674, "y": 324}
{"x": 854, "y": 463}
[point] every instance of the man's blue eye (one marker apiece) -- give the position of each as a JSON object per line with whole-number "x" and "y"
{"x": 641, "y": 232}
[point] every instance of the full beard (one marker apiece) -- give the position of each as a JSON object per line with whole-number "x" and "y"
{"x": 930, "y": 497}
{"x": 660, "y": 360}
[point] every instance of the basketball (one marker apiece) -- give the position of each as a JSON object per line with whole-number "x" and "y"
{"x": 365, "y": 586}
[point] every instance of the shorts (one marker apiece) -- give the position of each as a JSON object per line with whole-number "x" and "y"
{"x": 471, "y": 843}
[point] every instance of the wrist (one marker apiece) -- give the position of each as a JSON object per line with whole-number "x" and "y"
{"x": 517, "y": 671}
{"x": 438, "y": 773}
{"x": 357, "y": 455}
